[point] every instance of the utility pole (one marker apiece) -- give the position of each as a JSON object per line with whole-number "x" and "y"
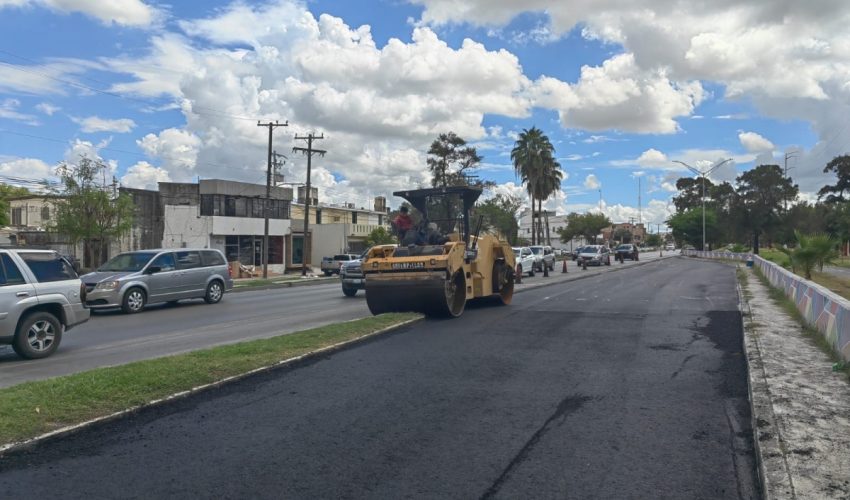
{"x": 267, "y": 202}
{"x": 640, "y": 216}
{"x": 309, "y": 151}
{"x": 703, "y": 174}
{"x": 792, "y": 154}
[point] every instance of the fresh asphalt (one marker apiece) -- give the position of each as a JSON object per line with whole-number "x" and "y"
{"x": 112, "y": 338}
{"x": 622, "y": 385}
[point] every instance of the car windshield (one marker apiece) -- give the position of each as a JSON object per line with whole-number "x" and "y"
{"x": 537, "y": 250}
{"x": 624, "y": 247}
{"x": 127, "y": 262}
{"x": 589, "y": 249}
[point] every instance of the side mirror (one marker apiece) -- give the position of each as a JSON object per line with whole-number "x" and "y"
{"x": 153, "y": 270}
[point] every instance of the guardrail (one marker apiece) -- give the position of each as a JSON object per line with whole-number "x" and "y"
{"x": 822, "y": 309}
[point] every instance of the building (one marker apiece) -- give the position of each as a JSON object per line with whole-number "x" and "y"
{"x": 638, "y": 232}
{"x": 556, "y": 222}
{"x": 338, "y": 228}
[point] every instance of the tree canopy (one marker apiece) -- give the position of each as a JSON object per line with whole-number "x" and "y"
{"x": 587, "y": 225}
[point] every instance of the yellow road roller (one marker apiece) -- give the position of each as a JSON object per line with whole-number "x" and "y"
{"x": 440, "y": 263}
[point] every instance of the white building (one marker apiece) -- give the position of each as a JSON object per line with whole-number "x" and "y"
{"x": 556, "y": 222}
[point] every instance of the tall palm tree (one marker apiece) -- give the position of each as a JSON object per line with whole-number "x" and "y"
{"x": 534, "y": 162}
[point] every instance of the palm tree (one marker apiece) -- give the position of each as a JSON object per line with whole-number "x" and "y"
{"x": 812, "y": 251}
{"x": 534, "y": 162}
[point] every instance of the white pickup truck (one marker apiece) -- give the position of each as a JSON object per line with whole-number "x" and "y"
{"x": 331, "y": 265}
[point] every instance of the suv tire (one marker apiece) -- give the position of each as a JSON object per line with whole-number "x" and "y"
{"x": 531, "y": 271}
{"x": 349, "y": 292}
{"x": 134, "y": 301}
{"x": 38, "y": 335}
{"x": 215, "y": 291}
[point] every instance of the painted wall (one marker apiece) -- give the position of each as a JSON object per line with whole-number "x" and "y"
{"x": 822, "y": 309}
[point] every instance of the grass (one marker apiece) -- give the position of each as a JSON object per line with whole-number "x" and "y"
{"x": 776, "y": 256}
{"x": 780, "y": 299}
{"x": 33, "y": 408}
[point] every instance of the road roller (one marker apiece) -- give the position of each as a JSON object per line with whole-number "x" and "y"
{"x": 440, "y": 263}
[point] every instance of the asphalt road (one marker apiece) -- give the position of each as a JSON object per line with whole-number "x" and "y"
{"x": 112, "y": 338}
{"x": 623, "y": 385}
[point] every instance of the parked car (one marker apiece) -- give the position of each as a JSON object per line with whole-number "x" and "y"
{"x": 670, "y": 247}
{"x": 41, "y": 298}
{"x": 544, "y": 256}
{"x": 331, "y": 265}
{"x": 576, "y": 252}
{"x": 627, "y": 251}
{"x": 525, "y": 259}
{"x": 595, "y": 255}
{"x": 134, "y": 279}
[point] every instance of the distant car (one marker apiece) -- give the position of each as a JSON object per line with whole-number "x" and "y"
{"x": 41, "y": 298}
{"x": 595, "y": 255}
{"x": 525, "y": 259}
{"x": 132, "y": 280}
{"x": 670, "y": 247}
{"x": 575, "y": 252}
{"x": 627, "y": 251}
{"x": 544, "y": 256}
{"x": 351, "y": 277}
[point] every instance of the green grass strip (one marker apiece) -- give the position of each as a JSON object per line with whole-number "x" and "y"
{"x": 34, "y": 408}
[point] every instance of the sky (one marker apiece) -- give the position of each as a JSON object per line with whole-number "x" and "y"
{"x": 622, "y": 88}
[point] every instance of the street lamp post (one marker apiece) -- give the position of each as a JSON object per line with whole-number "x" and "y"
{"x": 703, "y": 174}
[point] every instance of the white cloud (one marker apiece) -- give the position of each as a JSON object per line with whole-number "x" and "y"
{"x": 47, "y": 108}
{"x": 122, "y": 12}
{"x": 591, "y": 182}
{"x": 38, "y": 79}
{"x": 93, "y": 124}
{"x": 26, "y": 168}
{"x": 755, "y": 143}
{"x": 9, "y": 110}
{"x": 178, "y": 151}
{"x": 653, "y": 158}
{"x": 143, "y": 175}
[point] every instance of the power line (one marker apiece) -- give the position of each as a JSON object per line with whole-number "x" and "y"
{"x": 309, "y": 151}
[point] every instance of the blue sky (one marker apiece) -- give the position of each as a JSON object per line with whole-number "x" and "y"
{"x": 615, "y": 105}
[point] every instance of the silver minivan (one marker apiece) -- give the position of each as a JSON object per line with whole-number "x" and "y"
{"x": 133, "y": 279}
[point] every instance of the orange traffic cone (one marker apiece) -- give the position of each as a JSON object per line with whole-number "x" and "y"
{"x": 564, "y": 270}
{"x": 518, "y": 274}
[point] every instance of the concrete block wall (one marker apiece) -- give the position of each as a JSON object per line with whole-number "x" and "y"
{"x": 822, "y": 309}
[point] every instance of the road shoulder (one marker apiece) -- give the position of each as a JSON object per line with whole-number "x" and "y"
{"x": 800, "y": 406}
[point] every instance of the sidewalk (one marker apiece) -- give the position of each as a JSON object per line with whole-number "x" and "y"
{"x": 801, "y": 408}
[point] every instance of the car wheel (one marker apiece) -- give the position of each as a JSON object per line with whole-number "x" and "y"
{"x": 38, "y": 335}
{"x": 531, "y": 271}
{"x": 134, "y": 301}
{"x": 349, "y": 292}
{"x": 214, "y": 292}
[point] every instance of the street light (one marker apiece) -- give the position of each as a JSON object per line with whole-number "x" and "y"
{"x": 703, "y": 174}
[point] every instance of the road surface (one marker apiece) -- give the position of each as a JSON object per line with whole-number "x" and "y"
{"x": 112, "y": 338}
{"x": 623, "y": 385}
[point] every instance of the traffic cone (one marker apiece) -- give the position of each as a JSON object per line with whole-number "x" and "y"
{"x": 584, "y": 265}
{"x": 518, "y": 274}
{"x": 564, "y": 270}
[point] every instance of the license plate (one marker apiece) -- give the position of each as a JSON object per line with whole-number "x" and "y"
{"x": 408, "y": 265}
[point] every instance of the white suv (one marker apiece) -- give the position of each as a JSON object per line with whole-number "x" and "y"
{"x": 525, "y": 259}
{"x": 41, "y": 297}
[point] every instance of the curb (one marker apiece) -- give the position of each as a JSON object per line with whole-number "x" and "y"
{"x": 283, "y": 284}
{"x": 71, "y": 429}
{"x": 769, "y": 450}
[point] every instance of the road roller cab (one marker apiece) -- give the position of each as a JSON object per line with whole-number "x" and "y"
{"x": 441, "y": 263}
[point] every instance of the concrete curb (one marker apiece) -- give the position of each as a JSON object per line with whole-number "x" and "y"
{"x": 773, "y": 472}
{"x": 285, "y": 284}
{"x": 71, "y": 429}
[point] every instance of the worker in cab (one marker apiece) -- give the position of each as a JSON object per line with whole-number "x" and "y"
{"x": 402, "y": 223}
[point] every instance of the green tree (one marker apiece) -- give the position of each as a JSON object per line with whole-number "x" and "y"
{"x": 6, "y": 192}
{"x": 379, "y": 236}
{"x": 762, "y": 192}
{"x": 653, "y": 240}
{"x": 451, "y": 161}
{"x": 87, "y": 211}
{"x": 687, "y": 227}
{"x": 500, "y": 214}
{"x": 690, "y": 193}
{"x": 534, "y": 162}
{"x": 839, "y": 165}
{"x": 585, "y": 225}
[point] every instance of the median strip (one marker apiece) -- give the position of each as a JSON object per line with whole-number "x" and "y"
{"x": 54, "y": 406}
